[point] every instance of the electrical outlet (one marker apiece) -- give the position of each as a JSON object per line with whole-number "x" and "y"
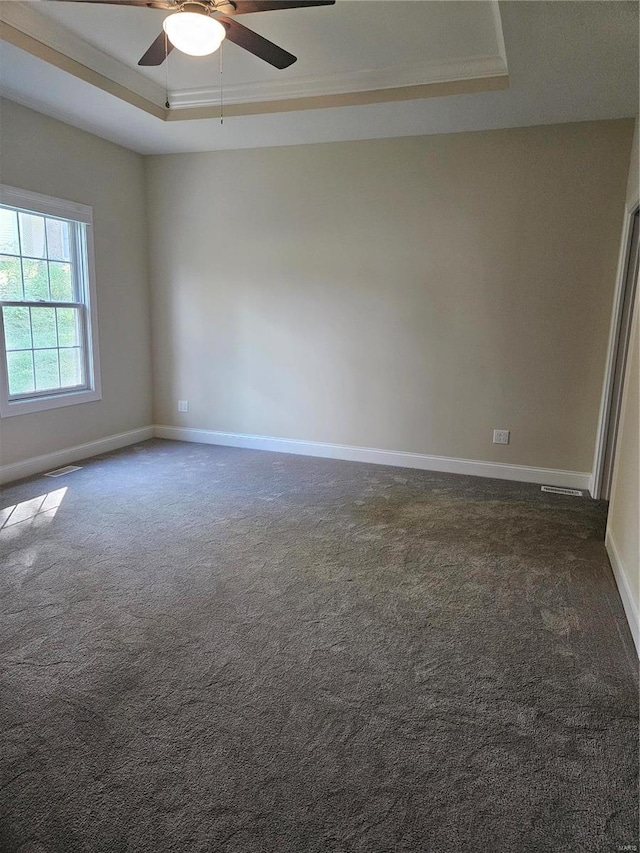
{"x": 183, "y": 405}
{"x": 501, "y": 436}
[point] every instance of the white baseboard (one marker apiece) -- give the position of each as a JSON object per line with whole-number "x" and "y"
{"x": 497, "y": 470}
{"x": 628, "y": 602}
{"x": 424, "y": 462}
{"x": 50, "y": 461}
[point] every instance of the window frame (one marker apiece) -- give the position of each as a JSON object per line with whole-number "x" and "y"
{"x": 38, "y": 401}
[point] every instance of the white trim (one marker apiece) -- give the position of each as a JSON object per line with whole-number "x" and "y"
{"x": 39, "y": 464}
{"x": 497, "y": 23}
{"x": 344, "y": 82}
{"x": 84, "y": 259}
{"x": 497, "y": 470}
{"x": 12, "y": 408}
{"x": 45, "y": 204}
{"x": 628, "y": 602}
{"x": 595, "y": 485}
{"x": 395, "y": 458}
{"x": 92, "y": 338}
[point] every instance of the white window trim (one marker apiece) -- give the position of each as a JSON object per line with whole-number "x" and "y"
{"x": 38, "y": 203}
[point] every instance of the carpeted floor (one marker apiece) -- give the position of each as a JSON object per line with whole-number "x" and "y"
{"x": 212, "y": 649}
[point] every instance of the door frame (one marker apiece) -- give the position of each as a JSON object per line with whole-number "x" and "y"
{"x": 607, "y": 417}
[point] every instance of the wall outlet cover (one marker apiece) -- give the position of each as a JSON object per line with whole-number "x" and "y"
{"x": 183, "y": 405}
{"x": 501, "y": 436}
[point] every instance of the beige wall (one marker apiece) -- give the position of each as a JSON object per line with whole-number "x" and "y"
{"x": 47, "y": 156}
{"x": 406, "y": 294}
{"x": 624, "y": 507}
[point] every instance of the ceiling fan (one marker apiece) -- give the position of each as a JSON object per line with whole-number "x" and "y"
{"x": 198, "y": 27}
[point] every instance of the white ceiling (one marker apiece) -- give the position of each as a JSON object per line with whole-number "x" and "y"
{"x": 328, "y": 40}
{"x": 567, "y": 61}
{"x": 351, "y": 47}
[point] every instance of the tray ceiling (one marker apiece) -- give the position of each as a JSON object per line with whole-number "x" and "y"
{"x": 343, "y": 50}
{"x": 366, "y": 69}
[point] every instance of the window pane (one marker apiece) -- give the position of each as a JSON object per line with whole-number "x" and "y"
{"x": 17, "y": 328}
{"x": 9, "y": 232}
{"x": 68, "y": 327}
{"x": 32, "y": 238}
{"x": 36, "y": 280}
{"x": 46, "y": 364}
{"x": 10, "y": 278}
{"x": 58, "y": 240}
{"x": 44, "y": 265}
{"x": 61, "y": 283}
{"x": 71, "y": 367}
{"x": 20, "y": 369}
{"x": 43, "y": 327}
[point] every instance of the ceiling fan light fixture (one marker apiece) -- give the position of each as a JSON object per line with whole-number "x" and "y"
{"x": 194, "y": 32}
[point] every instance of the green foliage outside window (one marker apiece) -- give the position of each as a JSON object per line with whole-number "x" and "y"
{"x": 43, "y": 342}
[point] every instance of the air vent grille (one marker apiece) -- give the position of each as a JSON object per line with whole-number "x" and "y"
{"x": 558, "y": 490}
{"x": 60, "y": 472}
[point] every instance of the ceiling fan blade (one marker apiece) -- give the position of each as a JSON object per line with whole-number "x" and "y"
{"x": 257, "y": 45}
{"x": 158, "y": 51}
{"x": 153, "y": 4}
{"x": 244, "y": 7}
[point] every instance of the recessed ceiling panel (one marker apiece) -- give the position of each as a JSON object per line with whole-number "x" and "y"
{"x": 567, "y": 62}
{"x": 353, "y": 35}
{"x": 355, "y": 45}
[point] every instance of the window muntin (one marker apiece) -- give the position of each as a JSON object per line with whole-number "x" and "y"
{"x": 48, "y": 350}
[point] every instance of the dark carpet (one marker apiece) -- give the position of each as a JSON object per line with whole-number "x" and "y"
{"x": 212, "y": 649}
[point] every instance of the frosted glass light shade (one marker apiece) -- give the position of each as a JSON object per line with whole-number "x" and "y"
{"x": 194, "y": 33}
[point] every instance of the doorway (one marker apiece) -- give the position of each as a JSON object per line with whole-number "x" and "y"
{"x": 621, "y": 336}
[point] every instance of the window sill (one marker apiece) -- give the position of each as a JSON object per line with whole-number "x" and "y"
{"x": 40, "y": 404}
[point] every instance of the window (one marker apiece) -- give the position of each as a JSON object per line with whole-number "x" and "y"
{"x": 48, "y": 328}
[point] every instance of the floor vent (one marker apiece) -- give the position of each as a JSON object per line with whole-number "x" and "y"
{"x": 60, "y": 472}
{"x": 558, "y": 490}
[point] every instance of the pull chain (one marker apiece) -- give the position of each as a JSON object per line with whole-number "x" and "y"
{"x": 166, "y": 72}
{"x": 221, "y": 86}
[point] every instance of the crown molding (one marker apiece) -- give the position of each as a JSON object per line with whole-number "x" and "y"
{"x": 349, "y": 99}
{"x": 375, "y": 79}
